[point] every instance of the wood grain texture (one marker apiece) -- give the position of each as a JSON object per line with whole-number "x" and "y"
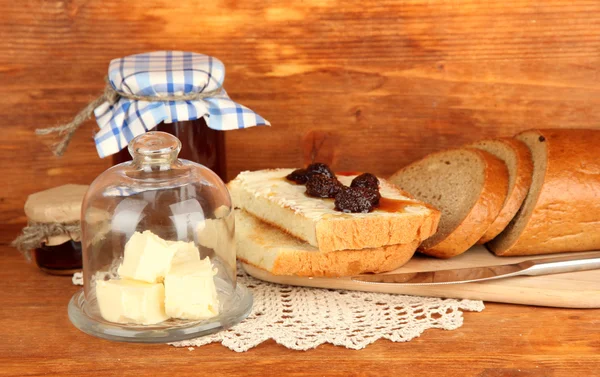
{"x": 567, "y": 290}
{"x": 368, "y": 85}
{"x": 503, "y": 340}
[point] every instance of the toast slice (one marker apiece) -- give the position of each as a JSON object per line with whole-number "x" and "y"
{"x": 561, "y": 211}
{"x": 515, "y": 154}
{"x": 266, "y": 247}
{"x": 268, "y": 195}
{"x": 468, "y": 185}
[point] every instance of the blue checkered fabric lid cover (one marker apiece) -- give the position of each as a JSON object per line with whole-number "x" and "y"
{"x": 166, "y": 73}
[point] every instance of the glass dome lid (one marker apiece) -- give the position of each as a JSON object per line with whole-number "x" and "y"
{"x": 158, "y": 249}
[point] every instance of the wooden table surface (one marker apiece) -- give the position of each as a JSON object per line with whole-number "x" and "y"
{"x": 365, "y": 85}
{"x": 503, "y": 340}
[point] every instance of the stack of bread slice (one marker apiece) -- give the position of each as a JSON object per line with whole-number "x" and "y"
{"x": 285, "y": 232}
{"x": 536, "y": 193}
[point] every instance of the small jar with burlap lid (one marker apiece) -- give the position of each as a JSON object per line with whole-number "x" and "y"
{"x": 53, "y": 231}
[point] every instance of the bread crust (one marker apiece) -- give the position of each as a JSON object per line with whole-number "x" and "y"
{"x": 266, "y": 247}
{"x": 566, "y": 213}
{"x": 352, "y": 234}
{"x": 342, "y": 263}
{"x": 516, "y": 193}
{"x": 482, "y": 214}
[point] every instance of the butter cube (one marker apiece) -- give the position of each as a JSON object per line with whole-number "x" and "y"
{"x": 129, "y": 301}
{"x": 184, "y": 252}
{"x": 147, "y": 258}
{"x": 190, "y": 291}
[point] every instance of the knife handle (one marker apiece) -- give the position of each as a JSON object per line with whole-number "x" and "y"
{"x": 548, "y": 266}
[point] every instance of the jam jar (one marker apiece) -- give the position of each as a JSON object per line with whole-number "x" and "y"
{"x": 61, "y": 259}
{"x": 53, "y": 230}
{"x": 159, "y": 256}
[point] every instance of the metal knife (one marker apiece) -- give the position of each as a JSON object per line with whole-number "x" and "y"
{"x": 546, "y": 266}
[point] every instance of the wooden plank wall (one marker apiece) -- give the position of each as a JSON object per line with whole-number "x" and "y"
{"x": 364, "y": 85}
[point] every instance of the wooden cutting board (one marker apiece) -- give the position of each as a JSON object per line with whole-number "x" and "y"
{"x": 568, "y": 290}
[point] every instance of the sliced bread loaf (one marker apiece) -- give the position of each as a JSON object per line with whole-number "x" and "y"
{"x": 468, "y": 185}
{"x": 561, "y": 211}
{"x": 517, "y": 158}
{"x": 268, "y": 195}
{"x": 266, "y": 247}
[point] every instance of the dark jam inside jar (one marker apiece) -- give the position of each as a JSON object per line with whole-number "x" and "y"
{"x": 63, "y": 259}
{"x": 198, "y": 143}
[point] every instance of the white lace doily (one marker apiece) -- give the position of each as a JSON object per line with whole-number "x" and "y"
{"x": 303, "y": 318}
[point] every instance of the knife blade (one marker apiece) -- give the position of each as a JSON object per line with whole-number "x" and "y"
{"x": 546, "y": 266}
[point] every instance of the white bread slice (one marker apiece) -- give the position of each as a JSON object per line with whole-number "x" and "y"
{"x": 268, "y": 195}
{"x": 562, "y": 209}
{"x": 270, "y": 249}
{"x": 468, "y": 185}
{"x": 517, "y": 158}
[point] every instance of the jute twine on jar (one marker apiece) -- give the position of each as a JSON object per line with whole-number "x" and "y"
{"x": 34, "y": 235}
{"x": 111, "y": 95}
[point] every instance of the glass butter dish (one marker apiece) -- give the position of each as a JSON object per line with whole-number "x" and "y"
{"x": 158, "y": 250}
